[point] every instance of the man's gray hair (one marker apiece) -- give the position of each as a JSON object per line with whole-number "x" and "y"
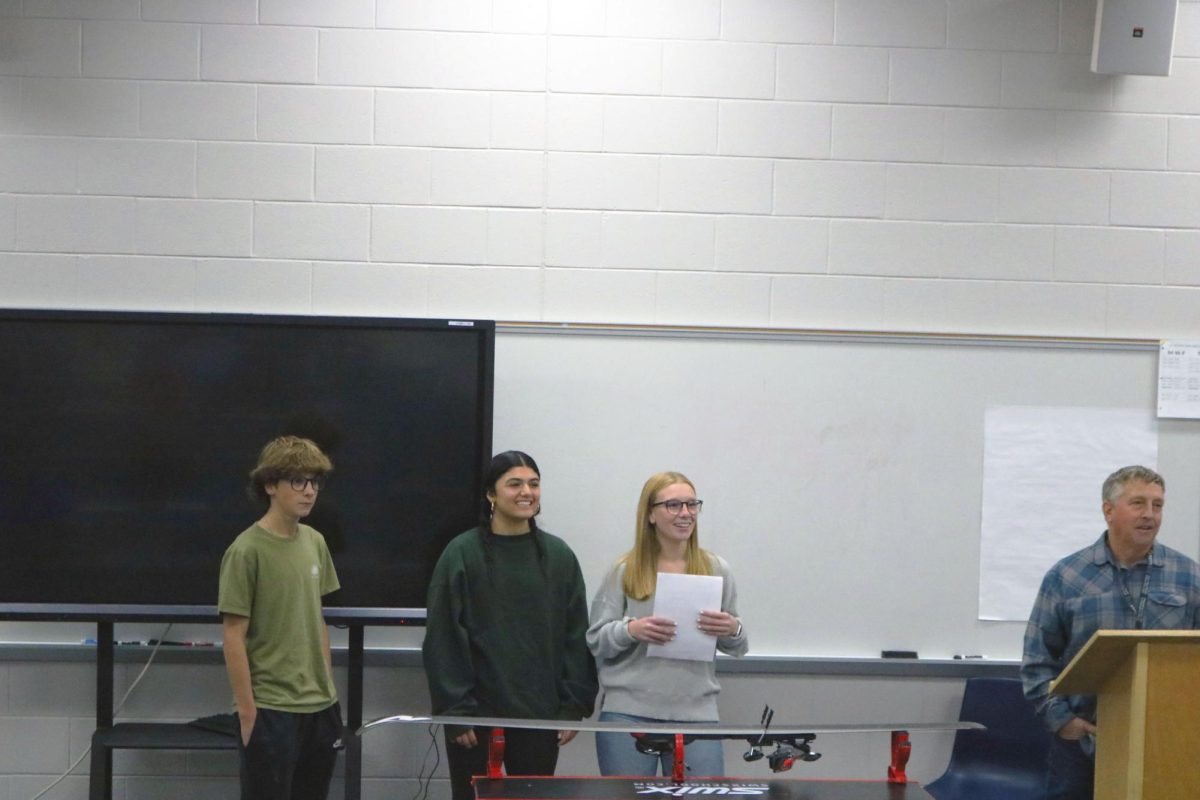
{"x": 1114, "y": 484}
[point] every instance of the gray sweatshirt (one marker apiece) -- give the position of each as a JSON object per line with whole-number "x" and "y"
{"x": 658, "y": 688}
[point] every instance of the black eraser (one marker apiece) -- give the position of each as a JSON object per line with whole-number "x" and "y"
{"x": 899, "y": 654}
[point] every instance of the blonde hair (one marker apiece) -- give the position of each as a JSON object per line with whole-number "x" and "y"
{"x": 641, "y": 563}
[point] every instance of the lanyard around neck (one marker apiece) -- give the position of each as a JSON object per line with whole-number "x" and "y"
{"x": 1139, "y": 610}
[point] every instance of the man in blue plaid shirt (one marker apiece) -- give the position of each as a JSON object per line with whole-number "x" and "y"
{"x": 1125, "y": 580}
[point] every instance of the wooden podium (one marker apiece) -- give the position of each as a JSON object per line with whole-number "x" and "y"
{"x": 1148, "y": 711}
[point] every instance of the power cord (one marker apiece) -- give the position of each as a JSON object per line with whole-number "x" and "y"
{"x": 423, "y": 780}
{"x": 116, "y": 711}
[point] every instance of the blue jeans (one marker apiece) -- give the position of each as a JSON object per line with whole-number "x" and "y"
{"x": 1069, "y": 771}
{"x": 617, "y": 755}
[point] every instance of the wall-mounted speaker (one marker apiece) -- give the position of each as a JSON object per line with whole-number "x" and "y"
{"x": 1134, "y": 37}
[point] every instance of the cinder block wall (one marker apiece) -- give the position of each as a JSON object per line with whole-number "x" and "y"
{"x": 932, "y": 165}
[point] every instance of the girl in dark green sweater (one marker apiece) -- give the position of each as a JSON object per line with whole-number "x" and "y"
{"x": 505, "y": 633}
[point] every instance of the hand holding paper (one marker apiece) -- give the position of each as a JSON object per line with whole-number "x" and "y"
{"x": 652, "y": 630}
{"x": 683, "y": 598}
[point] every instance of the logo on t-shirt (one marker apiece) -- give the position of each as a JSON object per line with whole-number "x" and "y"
{"x": 316, "y": 571}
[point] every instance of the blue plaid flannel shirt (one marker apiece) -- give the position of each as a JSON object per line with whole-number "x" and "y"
{"x": 1079, "y": 596}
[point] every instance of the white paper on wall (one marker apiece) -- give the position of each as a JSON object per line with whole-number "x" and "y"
{"x": 1042, "y": 473}
{"x": 1179, "y": 380}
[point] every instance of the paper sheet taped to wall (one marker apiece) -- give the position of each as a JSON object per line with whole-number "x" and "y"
{"x": 1179, "y": 380}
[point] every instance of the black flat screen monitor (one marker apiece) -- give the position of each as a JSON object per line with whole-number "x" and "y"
{"x": 126, "y": 440}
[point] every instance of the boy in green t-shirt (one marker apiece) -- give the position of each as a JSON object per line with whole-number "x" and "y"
{"x": 276, "y": 642}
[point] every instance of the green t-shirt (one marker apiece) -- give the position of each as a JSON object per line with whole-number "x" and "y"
{"x": 278, "y": 583}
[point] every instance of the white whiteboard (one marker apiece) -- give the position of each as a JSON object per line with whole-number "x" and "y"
{"x": 841, "y": 479}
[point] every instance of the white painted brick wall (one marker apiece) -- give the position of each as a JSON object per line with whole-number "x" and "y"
{"x": 1183, "y": 144}
{"x": 1023, "y": 25}
{"x": 796, "y": 21}
{"x": 423, "y": 234}
{"x": 243, "y": 285}
{"x": 718, "y": 69}
{"x": 658, "y": 241}
{"x": 77, "y": 107}
{"x": 1061, "y": 196}
{"x": 1167, "y": 199}
{"x": 364, "y": 289}
{"x": 574, "y": 122}
{"x": 716, "y": 185}
{"x": 1179, "y": 95}
{"x": 470, "y": 291}
{"x": 518, "y": 120}
{"x": 40, "y": 47}
{"x": 194, "y": 227}
{"x": 571, "y": 294}
{"x": 998, "y": 252}
{"x": 727, "y": 299}
{"x": 594, "y": 65}
{"x": 1114, "y": 141}
{"x": 8, "y": 206}
{"x": 498, "y": 61}
{"x": 254, "y": 171}
{"x": 945, "y": 77}
{"x": 912, "y": 164}
{"x": 825, "y": 302}
{"x": 574, "y": 238}
{"x": 1182, "y": 258}
{"x": 469, "y": 15}
{"x": 344, "y": 14}
{"x": 315, "y": 114}
{"x": 38, "y": 164}
{"x": 27, "y": 280}
{"x": 884, "y": 247}
{"x": 1108, "y": 255}
{"x": 514, "y": 236}
{"x": 488, "y": 178}
{"x": 141, "y": 168}
{"x": 895, "y": 23}
{"x": 603, "y": 180}
{"x": 258, "y": 54}
{"x": 137, "y": 283}
{"x": 652, "y": 125}
{"x": 1000, "y": 136}
{"x": 942, "y": 192}
{"x": 1054, "y": 81}
{"x": 433, "y": 119}
{"x": 154, "y": 50}
{"x": 830, "y": 188}
{"x": 888, "y": 133}
{"x": 197, "y": 110}
{"x": 844, "y": 74}
{"x": 323, "y": 231}
{"x": 396, "y": 175}
{"x": 65, "y": 224}
{"x": 230, "y": 12}
{"x": 771, "y": 244}
{"x": 784, "y": 130}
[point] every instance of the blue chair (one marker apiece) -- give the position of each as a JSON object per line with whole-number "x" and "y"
{"x": 1005, "y": 762}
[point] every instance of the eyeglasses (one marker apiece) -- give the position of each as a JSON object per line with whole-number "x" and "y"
{"x": 298, "y": 483}
{"x": 675, "y": 507}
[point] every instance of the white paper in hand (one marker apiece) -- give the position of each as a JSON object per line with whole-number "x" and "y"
{"x": 682, "y": 598}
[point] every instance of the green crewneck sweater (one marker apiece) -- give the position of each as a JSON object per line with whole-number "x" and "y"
{"x": 505, "y": 635}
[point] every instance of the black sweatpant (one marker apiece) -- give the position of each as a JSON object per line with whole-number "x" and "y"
{"x": 526, "y": 752}
{"x": 290, "y": 756}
